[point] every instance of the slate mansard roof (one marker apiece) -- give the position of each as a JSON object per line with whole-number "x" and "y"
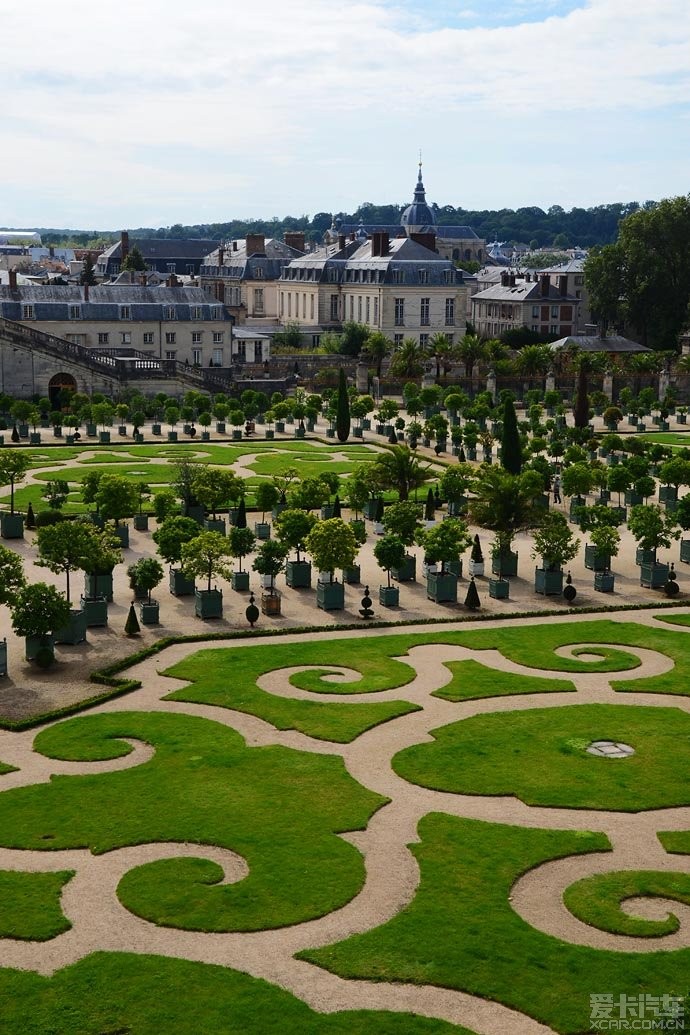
{"x": 106, "y": 303}
{"x": 331, "y": 265}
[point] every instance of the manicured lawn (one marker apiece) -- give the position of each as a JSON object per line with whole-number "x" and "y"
{"x": 597, "y": 900}
{"x": 461, "y": 932}
{"x": 540, "y": 756}
{"x": 226, "y": 677}
{"x": 129, "y": 994}
{"x": 279, "y": 809}
{"x": 472, "y": 681}
{"x": 30, "y": 904}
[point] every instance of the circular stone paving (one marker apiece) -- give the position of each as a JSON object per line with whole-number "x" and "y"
{"x": 610, "y": 749}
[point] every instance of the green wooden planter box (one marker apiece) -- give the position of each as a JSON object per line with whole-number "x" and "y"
{"x": 298, "y": 574}
{"x": 99, "y": 586}
{"x": 122, "y": 533}
{"x": 3, "y": 657}
{"x": 214, "y": 525}
{"x": 34, "y": 644}
{"x": 653, "y": 575}
{"x": 220, "y": 427}
{"x": 149, "y": 613}
{"x": 270, "y": 603}
{"x": 237, "y": 434}
{"x": 239, "y": 580}
{"x": 172, "y": 436}
{"x": 180, "y": 585}
{"x": 632, "y": 499}
{"x": 644, "y": 556}
{"x": 685, "y": 551}
{"x": 370, "y": 508}
{"x": 69, "y": 439}
{"x": 549, "y": 583}
{"x": 389, "y": 596}
{"x": 205, "y": 436}
{"x": 456, "y": 508}
{"x": 366, "y": 424}
{"x": 141, "y": 522}
{"x": 278, "y": 510}
{"x": 91, "y": 430}
{"x": 300, "y": 432}
{"x": 269, "y": 434}
{"x": 96, "y": 611}
{"x": 505, "y": 565}
{"x": 280, "y": 426}
{"x": 682, "y": 418}
{"x": 442, "y": 587}
{"x": 12, "y": 526}
{"x": 454, "y": 568}
{"x": 122, "y": 430}
{"x": 668, "y": 494}
{"x": 499, "y": 589}
{"x": 330, "y": 432}
{"x": 596, "y": 560}
{"x": 352, "y": 576}
{"x": 104, "y": 437}
{"x": 35, "y": 438}
{"x": 139, "y": 438}
{"x": 358, "y": 432}
{"x": 327, "y": 511}
{"x": 156, "y": 429}
{"x": 604, "y": 581}
{"x": 330, "y": 596}
{"x": 262, "y": 530}
{"x": 208, "y": 603}
{"x": 407, "y": 572}
{"x": 194, "y": 511}
{"x": 75, "y": 630}
{"x": 576, "y": 504}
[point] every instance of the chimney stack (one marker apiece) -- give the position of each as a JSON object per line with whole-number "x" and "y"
{"x": 505, "y": 279}
{"x": 426, "y": 240}
{"x": 124, "y": 245}
{"x": 13, "y": 280}
{"x": 221, "y": 255}
{"x": 545, "y": 285}
{"x": 341, "y": 242}
{"x": 563, "y": 285}
{"x": 380, "y": 242}
{"x": 255, "y": 244}
{"x": 511, "y": 280}
{"x": 86, "y": 292}
{"x": 295, "y": 239}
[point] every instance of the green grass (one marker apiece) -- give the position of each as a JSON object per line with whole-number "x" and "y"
{"x": 30, "y": 905}
{"x": 5, "y": 768}
{"x": 535, "y": 645}
{"x": 540, "y": 756}
{"x": 667, "y": 438}
{"x": 129, "y": 994}
{"x": 674, "y": 619}
{"x": 280, "y": 809}
{"x": 461, "y": 932}
{"x": 226, "y": 677}
{"x": 472, "y": 681}
{"x": 597, "y": 900}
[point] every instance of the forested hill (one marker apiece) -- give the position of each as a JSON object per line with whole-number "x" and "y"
{"x": 555, "y": 226}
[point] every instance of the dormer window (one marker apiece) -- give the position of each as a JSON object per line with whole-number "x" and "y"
{"x": 169, "y": 312}
{"x": 75, "y": 312}
{"x": 423, "y": 276}
{"x": 125, "y": 312}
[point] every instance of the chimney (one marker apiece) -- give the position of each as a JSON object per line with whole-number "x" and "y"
{"x": 143, "y": 280}
{"x": 255, "y": 244}
{"x": 511, "y": 280}
{"x": 295, "y": 240}
{"x": 221, "y": 255}
{"x": 563, "y": 285}
{"x": 13, "y": 280}
{"x": 124, "y": 245}
{"x": 528, "y": 278}
{"x": 426, "y": 240}
{"x": 545, "y": 285}
{"x": 234, "y": 246}
{"x": 171, "y": 282}
{"x": 341, "y": 242}
{"x": 505, "y": 279}
{"x": 379, "y": 243}
{"x": 51, "y": 251}
{"x": 86, "y": 292}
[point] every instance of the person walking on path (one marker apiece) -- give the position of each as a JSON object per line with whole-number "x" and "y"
{"x": 557, "y": 489}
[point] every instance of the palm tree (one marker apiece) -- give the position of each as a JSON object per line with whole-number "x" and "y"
{"x": 534, "y": 359}
{"x": 376, "y": 348}
{"x": 470, "y": 350}
{"x": 504, "y": 503}
{"x": 442, "y": 353}
{"x": 400, "y": 469}
{"x": 408, "y": 359}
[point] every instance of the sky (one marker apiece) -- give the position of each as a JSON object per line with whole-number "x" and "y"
{"x": 155, "y": 112}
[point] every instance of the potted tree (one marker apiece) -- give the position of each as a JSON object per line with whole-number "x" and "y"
{"x": 172, "y": 416}
{"x": 172, "y": 534}
{"x": 145, "y": 575}
{"x": 37, "y": 611}
{"x": 556, "y": 545}
{"x": 207, "y": 556}
{"x": 672, "y": 474}
{"x": 652, "y": 529}
{"x": 117, "y": 498}
{"x": 504, "y": 503}
{"x": 141, "y": 520}
{"x": 332, "y": 545}
{"x": 476, "y": 565}
{"x": 443, "y": 544}
{"x": 352, "y": 575}
{"x": 293, "y": 526}
{"x": 11, "y": 581}
{"x": 389, "y": 552}
{"x": 591, "y": 520}
{"x": 402, "y": 520}
{"x": 269, "y": 562}
{"x": 13, "y": 468}
{"x": 64, "y": 548}
{"x": 98, "y": 576}
{"x": 577, "y": 483}
{"x": 214, "y": 489}
{"x": 606, "y": 542}
{"x": 266, "y": 498}
{"x": 682, "y": 516}
{"x": 242, "y": 542}
{"x": 455, "y": 483}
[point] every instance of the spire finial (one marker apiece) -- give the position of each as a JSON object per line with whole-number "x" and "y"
{"x": 420, "y": 164}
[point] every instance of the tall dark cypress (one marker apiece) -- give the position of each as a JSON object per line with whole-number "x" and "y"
{"x": 511, "y": 450}
{"x": 342, "y": 420}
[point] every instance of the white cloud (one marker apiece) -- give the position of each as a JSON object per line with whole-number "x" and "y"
{"x": 101, "y": 94}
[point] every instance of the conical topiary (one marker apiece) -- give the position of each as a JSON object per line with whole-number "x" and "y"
{"x": 132, "y": 627}
{"x": 477, "y": 555}
{"x": 30, "y": 517}
{"x": 336, "y": 507}
{"x": 342, "y": 421}
{"x": 511, "y": 448}
{"x": 392, "y": 437}
{"x": 241, "y": 520}
{"x": 430, "y": 506}
{"x": 472, "y": 600}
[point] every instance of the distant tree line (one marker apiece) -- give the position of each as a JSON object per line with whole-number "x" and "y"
{"x": 553, "y": 227}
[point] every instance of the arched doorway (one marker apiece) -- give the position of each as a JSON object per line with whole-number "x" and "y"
{"x": 59, "y": 383}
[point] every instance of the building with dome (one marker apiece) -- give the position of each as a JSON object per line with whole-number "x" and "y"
{"x": 458, "y": 243}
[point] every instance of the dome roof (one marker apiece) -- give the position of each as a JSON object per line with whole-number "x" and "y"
{"x": 418, "y": 213}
